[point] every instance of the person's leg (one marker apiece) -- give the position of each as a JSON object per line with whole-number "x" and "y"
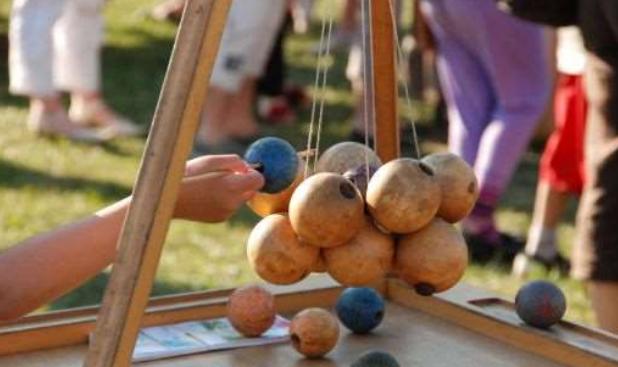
{"x": 465, "y": 84}
{"x": 596, "y": 252}
{"x": 541, "y": 245}
{"x": 516, "y": 57}
{"x": 247, "y": 41}
{"x": 604, "y": 300}
{"x": 31, "y": 50}
{"x": 78, "y": 37}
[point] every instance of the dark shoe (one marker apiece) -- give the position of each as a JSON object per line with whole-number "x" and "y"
{"x": 482, "y": 250}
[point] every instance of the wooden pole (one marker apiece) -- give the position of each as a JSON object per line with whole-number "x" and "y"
{"x": 384, "y": 80}
{"x": 174, "y": 126}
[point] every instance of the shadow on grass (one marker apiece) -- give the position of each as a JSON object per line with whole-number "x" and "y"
{"x": 15, "y": 176}
{"x": 91, "y": 293}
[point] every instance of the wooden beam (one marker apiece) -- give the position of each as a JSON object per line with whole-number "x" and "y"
{"x": 174, "y": 126}
{"x": 384, "y": 79}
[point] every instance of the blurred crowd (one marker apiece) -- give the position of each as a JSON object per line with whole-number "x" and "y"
{"x": 495, "y": 68}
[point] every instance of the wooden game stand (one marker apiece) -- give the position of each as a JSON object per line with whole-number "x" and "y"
{"x": 462, "y": 327}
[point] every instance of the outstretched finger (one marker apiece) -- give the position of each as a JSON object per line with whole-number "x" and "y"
{"x": 243, "y": 182}
{"x": 212, "y": 163}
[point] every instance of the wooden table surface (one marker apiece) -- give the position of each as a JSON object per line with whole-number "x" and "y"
{"x": 413, "y": 337}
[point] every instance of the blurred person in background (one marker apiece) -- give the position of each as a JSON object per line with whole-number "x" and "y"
{"x": 595, "y": 254}
{"x": 495, "y": 76}
{"x": 55, "y": 46}
{"x": 561, "y": 171}
{"x": 228, "y": 122}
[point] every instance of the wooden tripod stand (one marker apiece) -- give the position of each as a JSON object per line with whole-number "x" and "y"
{"x": 173, "y": 129}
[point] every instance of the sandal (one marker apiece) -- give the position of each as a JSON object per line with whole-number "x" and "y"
{"x": 98, "y": 114}
{"x": 58, "y": 124}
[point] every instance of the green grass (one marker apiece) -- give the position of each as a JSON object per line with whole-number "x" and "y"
{"x": 44, "y": 183}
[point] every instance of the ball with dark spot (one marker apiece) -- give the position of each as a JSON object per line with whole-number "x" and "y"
{"x": 360, "y": 176}
{"x": 360, "y": 309}
{"x": 540, "y": 304}
{"x": 375, "y": 358}
{"x": 276, "y": 159}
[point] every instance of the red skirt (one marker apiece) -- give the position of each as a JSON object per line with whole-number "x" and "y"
{"x": 562, "y": 163}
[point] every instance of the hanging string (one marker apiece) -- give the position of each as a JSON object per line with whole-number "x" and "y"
{"x": 366, "y": 82}
{"x": 315, "y": 93}
{"x": 402, "y": 79}
{"x": 325, "y": 68}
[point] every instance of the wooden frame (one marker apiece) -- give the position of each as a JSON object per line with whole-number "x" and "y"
{"x": 173, "y": 130}
{"x": 566, "y": 344}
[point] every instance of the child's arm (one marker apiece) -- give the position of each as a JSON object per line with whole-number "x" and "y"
{"x": 47, "y": 266}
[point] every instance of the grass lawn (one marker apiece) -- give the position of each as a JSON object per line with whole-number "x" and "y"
{"x": 44, "y": 183}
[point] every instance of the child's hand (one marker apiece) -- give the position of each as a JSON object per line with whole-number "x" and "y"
{"x": 214, "y": 187}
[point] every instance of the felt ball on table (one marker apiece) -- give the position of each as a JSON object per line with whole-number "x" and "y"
{"x": 433, "y": 259}
{"x": 364, "y": 259}
{"x": 314, "y": 332}
{"x": 458, "y": 184}
{"x": 251, "y": 310}
{"x": 275, "y": 252}
{"x": 347, "y": 155}
{"x": 326, "y": 210}
{"x": 540, "y": 304}
{"x": 264, "y": 204}
{"x": 403, "y": 196}
{"x": 276, "y": 159}
{"x": 360, "y": 309}
{"x": 375, "y": 359}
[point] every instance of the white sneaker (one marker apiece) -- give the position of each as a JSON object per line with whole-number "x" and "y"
{"x": 58, "y": 124}
{"x": 109, "y": 123}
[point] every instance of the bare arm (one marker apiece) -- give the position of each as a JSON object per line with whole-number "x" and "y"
{"x": 47, "y": 266}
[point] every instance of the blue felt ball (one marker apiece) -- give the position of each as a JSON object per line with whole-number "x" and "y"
{"x": 376, "y": 358}
{"x": 360, "y": 309}
{"x": 277, "y": 160}
{"x": 540, "y": 304}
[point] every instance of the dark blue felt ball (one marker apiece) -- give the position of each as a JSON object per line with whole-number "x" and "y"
{"x": 540, "y": 304}
{"x": 376, "y": 358}
{"x": 360, "y": 309}
{"x": 276, "y": 159}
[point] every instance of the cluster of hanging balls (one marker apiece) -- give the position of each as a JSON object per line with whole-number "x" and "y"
{"x": 358, "y": 219}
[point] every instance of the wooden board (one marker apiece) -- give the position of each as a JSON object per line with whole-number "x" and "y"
{"x": 457, "y": 328}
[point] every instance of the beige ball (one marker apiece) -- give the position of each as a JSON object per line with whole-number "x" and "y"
{"x": 264, "y": 204}
{"x": 275, "y": 252}
{"x": 251, "y": 310}
{"x": 403, "y": 196}
{"x": 326, "y": 210}
{"x": 433, "y": 259}
{"x": 364, "y": 259}
{"x": 314, "y": 332}
{"x": 458, "y": 183}
{"x": 347, "y": 155}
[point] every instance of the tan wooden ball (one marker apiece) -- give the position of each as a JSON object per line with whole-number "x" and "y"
{"x": 314, "y": 332}
{"x": 403, "y": 196}
{"x": 347, "y": 155}
{"x": 275, "y": 252}
{"x": 326, "y": 210}
{"x": 264, "y": 204}
{"x": 366, "y": 258}
{"x": 251, "y": 310}
{"x": 433, "y": 259}
{"x": 458, "y": 183}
